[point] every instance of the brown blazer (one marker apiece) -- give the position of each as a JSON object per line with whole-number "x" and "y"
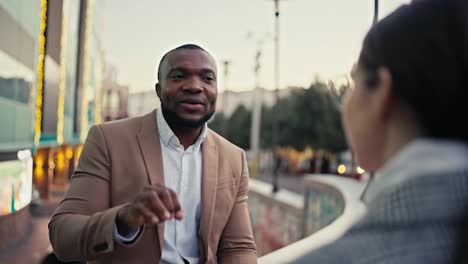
{"x": 119, "y": 159}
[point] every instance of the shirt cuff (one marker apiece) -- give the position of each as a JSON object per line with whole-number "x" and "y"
{"x": 128, "y": 239}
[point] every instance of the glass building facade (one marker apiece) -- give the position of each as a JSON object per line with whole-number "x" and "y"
{"x": 90, "y": 85}
{"x": 19, "y": 56}
{"x": 50, "y": 92}
{"x": 19, "y": 53}
{"x": 72, "y": 14}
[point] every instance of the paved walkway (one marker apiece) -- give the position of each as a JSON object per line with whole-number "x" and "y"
{"x": 34, "y": 245}
{"x": 293, "y": 183}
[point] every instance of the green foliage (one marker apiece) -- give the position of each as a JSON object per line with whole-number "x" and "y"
{"x": 235, "y": 129}
{"x": 217, "y": 123}
{"x": 307, "y": 117}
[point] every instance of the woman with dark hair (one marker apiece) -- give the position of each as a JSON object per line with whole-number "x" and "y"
{"x": 404, "y": 121}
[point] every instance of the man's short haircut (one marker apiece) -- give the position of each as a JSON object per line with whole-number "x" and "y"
{"x": 183, "y": 47}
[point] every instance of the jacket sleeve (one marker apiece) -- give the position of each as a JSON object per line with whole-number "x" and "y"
{"x": 237, "y": 243}
{"x": 83, "y": 224}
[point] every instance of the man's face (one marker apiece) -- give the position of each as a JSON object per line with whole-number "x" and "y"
{"x": 188, "y": 88}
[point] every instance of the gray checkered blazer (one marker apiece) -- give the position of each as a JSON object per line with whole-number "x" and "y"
{"x": 419, "y": 221}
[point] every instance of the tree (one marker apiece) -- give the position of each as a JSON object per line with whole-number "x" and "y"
{"x": 218, "y": 123}
{"x": 237, "y": 126}
{"x": 307, "y": 117}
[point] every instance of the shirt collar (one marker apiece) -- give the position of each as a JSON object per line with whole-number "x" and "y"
{"x": 169, "y": 138}
{"x": 419, "y": 158}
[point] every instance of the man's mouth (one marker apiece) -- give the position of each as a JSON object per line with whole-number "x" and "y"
{"x": 192, "y": 104}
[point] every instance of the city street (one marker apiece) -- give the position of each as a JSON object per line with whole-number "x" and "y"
{"x": 291, "y": 183}
{"x": 144, "y": 103}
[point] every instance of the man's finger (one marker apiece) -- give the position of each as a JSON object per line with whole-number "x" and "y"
{"x": 176, "y": 205}
{"x": 158, "y": 208}
{"x": 149, "y": 216}
{"x": 166, "y": 198}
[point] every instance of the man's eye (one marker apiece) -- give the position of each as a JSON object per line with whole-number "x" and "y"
{"x": 208, "y": 78}
{"x": 177, "y": 77}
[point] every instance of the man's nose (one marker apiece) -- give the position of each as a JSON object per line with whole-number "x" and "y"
{"x": 193, "y": 85}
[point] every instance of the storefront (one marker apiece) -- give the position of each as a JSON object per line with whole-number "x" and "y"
{"x": 19, "y": 56}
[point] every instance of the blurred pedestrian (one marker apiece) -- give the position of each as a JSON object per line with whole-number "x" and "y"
{"x": 325, "y": 164}
{"x": 313, "y": 164}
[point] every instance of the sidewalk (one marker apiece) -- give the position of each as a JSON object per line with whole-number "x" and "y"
{"x": 293, "y": 183}
{"x": 34, "y": 245}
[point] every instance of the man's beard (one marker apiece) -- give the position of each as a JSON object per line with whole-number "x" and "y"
{"x": 175, "y": 120}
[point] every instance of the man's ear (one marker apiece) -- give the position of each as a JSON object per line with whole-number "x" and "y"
{"x": 383, "y": 93}
{"x": 157, "y": 87}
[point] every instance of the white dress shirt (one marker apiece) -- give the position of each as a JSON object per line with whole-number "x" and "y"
{"x": 183, "y": 174}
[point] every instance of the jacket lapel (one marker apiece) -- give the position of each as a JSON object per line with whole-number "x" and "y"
{"x": 208, "y": 195}
{"x": 150, "y": 146}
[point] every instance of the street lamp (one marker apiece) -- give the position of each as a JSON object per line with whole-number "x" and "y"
{"x": 256, "y": 109}
{"x": 226, "y": 64}
{"x": 376, "y": 12}
{"x": 276, "y": 106}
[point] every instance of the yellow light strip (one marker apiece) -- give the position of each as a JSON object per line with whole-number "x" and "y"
{"x": 40, "y": 72}
{"x": 85, "y": 85}
{"x": 63, "y": 73}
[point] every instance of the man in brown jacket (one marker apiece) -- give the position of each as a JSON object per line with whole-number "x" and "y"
{"x": 160, "y": 188}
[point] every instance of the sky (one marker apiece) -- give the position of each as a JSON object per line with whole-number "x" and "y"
{"x": 318, "y": 39}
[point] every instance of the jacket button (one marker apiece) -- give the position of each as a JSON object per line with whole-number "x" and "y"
{"x": 100, "y": 247}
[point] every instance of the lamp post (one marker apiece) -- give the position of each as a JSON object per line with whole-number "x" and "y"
{"x": 376, "y": 12}
{"x": 257, "y": 101}
{"x": 276, "y": 106}
{"x": 226, "y": 64}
